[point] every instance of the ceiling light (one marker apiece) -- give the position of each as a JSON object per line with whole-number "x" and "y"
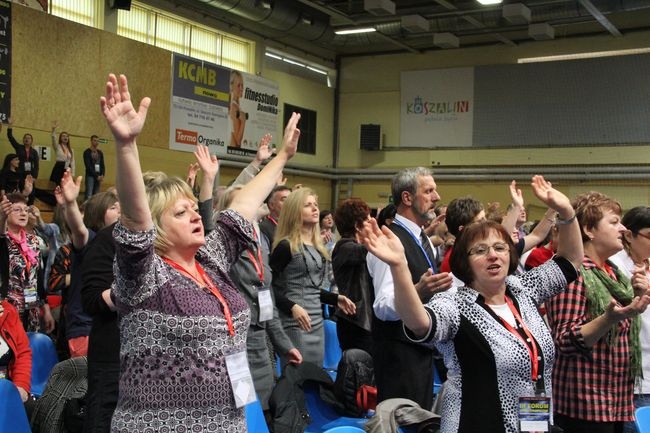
{"x": 318, "y": 71}
{"x": 357, "y": 30}
{"x": 490, "y": 2}
{"x": 273, "y": 56}
{"x": 293, "y": 62}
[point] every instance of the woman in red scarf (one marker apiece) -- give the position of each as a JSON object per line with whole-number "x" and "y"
{"x": 24, "y": 292}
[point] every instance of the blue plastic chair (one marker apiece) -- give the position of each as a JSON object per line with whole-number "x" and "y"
{"x": 437, "y": 383}
{"x": 44, "y": 358}
{"x": 255, "y": 418}
{"x": 345, "y": 429}
{"x": 333, "y": 352}
{"x": 13, "y": 418}
{"x": 642, "y": 420}
{"x": 323, "y": 416}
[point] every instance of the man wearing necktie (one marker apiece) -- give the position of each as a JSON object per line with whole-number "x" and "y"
{"x": 403, "y": 368}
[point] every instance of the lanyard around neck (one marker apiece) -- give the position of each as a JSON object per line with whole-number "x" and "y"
{"x": 529, "y": 342}
{"x": 257, "y": 264}
{"x": 418, "y": 242}
{"x": 211, "y": 287}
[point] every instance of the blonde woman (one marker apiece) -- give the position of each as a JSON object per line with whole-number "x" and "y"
{"x": 183, "y": 324}
{"x": 299, "y": 263}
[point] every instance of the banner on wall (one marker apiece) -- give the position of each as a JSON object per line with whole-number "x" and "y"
{"x": 224, "y": 109}
{"x": 437, "y": 108}
{"x": 5, "y": 60}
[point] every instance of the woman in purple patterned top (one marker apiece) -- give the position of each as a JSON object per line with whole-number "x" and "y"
{"x": 180, "y": 314}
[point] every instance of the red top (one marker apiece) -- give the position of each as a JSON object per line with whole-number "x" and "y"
{"x": 20, "y": 368}
{"x": 444, "y": 266}
{"x": 539, "y": 256}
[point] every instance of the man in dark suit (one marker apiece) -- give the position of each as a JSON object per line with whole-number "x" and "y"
{"x": 404, "y": 368}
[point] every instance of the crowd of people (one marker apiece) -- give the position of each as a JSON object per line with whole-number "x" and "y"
{"x": 181, "y": 295}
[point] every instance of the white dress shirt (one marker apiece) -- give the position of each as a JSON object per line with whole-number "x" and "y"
{"x": 382, "y": 279}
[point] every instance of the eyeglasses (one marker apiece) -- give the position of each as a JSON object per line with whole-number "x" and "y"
{"x": 644, "y": 235}
{"x": 21, "y": 209}
{"x": 483, "y": 249}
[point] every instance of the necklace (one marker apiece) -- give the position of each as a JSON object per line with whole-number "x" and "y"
{"x": 319, "y": 266}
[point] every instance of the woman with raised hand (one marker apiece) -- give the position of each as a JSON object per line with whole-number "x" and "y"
{"x": 596, "y": 324}
{"x": 25, "y": 293}
{"x": 498, "y": 349}
{"x": 183, "y": 323}
{"x": 64, "y": 155}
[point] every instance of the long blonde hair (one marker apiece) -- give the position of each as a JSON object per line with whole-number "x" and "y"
{"x": 290, "y": 223}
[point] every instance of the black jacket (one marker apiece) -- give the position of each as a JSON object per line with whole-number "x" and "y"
{"x": 287, "y": 402}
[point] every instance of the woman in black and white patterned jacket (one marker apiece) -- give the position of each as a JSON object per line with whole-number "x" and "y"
{"x": 496, "y": 346}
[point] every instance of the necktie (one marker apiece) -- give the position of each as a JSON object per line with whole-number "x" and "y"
{"x": 426, "y": 244}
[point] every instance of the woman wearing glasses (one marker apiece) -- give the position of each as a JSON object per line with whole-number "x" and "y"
{"x": 24, "y": 291}
{"x": 497, "y": 347}
{"x": 634, "y": 261}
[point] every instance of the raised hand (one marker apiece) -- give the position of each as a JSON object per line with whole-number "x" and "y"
{"x": 125, "y": 123}
{"x": 55, "y": 124}
{"x": 382, "y": 242}
{"x": 264, "y": 151}
{"x": 291, "y": 136}
{"x": 29, "y": 185}
{"x": 68, "y": 190}
{"x": 550, "y": 196}
{"x": 192, "y": 170}
{"x": 516, "y": 195}
{"x": 6, "y": 207}
{"x": 208, "y": 163}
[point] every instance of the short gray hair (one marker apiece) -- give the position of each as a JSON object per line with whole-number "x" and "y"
{"x": 407, "y": 180}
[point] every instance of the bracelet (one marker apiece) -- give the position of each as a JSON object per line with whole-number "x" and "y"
{"x": 562, "y": 222}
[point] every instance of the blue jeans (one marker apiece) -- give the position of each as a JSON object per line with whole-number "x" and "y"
{"x": 92, "y": 186}
{"x": 640, "y": 400}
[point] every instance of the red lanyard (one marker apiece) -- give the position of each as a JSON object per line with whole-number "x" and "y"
{"x": 270, "y": 218}
{"x": 211, "y": 286}
{"x": 258, "y": 264}
{"x": 529, "y": 343}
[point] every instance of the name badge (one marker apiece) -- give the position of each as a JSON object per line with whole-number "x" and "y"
{"x": 96, "y": 168}
{"x": 534, "y": 414}
{"x": 240, "y": 379}
{"x": 31, "y": 295}
{"x": 266, "y": 303}
{"x": 28, "y": 166}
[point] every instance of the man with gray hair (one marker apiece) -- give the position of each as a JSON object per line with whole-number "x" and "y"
{"x": 415, "y": 195}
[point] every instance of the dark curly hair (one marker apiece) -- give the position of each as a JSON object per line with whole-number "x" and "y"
{"x": 349, "y": 215}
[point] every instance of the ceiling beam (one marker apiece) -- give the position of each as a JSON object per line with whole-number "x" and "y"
{"x": 593, "y": 10}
